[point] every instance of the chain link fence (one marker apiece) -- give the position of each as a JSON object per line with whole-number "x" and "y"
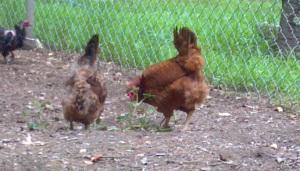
{"x": 237, "y": 37}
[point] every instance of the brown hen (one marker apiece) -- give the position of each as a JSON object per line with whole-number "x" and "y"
{"x": 85, "y": 101}
{"x": 175, "y": 84}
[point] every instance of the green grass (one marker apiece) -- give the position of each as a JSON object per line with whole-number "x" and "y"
{"x": 139, "y": 32}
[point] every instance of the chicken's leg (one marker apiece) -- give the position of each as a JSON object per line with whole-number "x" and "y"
{"x": 71, "y": 125}
{"x": 167, "y": 120}
{"x": 5, "y": 60}
{"x": 98, "y": 120}
{"x": 9, "y": 59}
{"x": 187, "y": 120}
{"x": 86, "y": 126}
{"x": 162, "y": 121}
{"x": 12, "y": 58}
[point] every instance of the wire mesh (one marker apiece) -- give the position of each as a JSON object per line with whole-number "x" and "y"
{"x": 237, "y": 37}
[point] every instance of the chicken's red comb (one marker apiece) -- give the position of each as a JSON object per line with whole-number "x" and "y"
{"x": 26, "y": 23}
{"x": 130, "y": 94}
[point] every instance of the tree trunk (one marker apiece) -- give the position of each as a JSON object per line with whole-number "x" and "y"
{"x": 289, "y": 32}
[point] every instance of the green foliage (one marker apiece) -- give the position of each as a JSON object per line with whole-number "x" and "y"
{"x": 137, "y": 116}
{"x": 36, "y": 114}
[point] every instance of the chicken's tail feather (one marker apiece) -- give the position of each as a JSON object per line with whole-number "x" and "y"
{"x": 184, "y": 38}
{"x": 91, "y": 51}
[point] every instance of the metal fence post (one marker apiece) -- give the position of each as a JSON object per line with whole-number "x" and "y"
{"x": 30, "y": 16}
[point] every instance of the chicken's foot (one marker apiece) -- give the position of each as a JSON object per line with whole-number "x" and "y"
{"x": 187, "y": 121}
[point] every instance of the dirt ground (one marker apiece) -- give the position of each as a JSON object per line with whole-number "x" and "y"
{"x": 230, "y": 132}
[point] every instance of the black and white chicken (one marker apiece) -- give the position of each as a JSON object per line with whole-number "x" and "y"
{"x": 11, "y": 39}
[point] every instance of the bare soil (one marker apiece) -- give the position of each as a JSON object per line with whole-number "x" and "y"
{"x": 230, "y": 132}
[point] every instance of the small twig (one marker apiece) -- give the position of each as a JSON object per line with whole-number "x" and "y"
{"x": 113, "y": 157}
{"x": 104, "y": 157}
{"x": 217, "y": 163}
{"x": 192, "y": 162}
{"x": 197, "y": 162}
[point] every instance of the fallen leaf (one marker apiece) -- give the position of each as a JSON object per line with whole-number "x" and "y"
{"x": 280, "y": 159}
{"x": 5, "y": 141}
{"x": 96, "y": 158}
{"x": 222, "y": 158}
{"x": 144, "y": 161}
{"x": 88, "y": 162}
{"x": 82, "y": 151}
{"x": 250, "y": 107}
{"x": 279, "y": 109}
{"x": 164, "y": 129}
{"x": 41, "y": 143}
{"x": 66, "y": 66}
{"x": 140, "y": 155}
{"x": 29, "y": 106}
{"x": 28, "y": 141}
{"x": 170, "y": 162}
{"x": 205, "y": 168}
{"x": 118, "y": 74}
{"x": 20, "y": 121}
{"x": 224, "y": 114}
{"x": 112, "y": 128}
{"x": 147, "y": 142}
{"x": 49, "y": 106}
{"x": 49, "y": 63}
{"x": 274, "y": 146}
{"x": 292, "y": 116}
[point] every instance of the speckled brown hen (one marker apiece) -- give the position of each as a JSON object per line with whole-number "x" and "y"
{"x": 85, "y": 101}
{"x": 175, "y": 84}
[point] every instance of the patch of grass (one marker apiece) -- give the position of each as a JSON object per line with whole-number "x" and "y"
{"x": 139, "y": 33}
{"x": 138, "y": 118}
{"x": 35, "y": 112}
